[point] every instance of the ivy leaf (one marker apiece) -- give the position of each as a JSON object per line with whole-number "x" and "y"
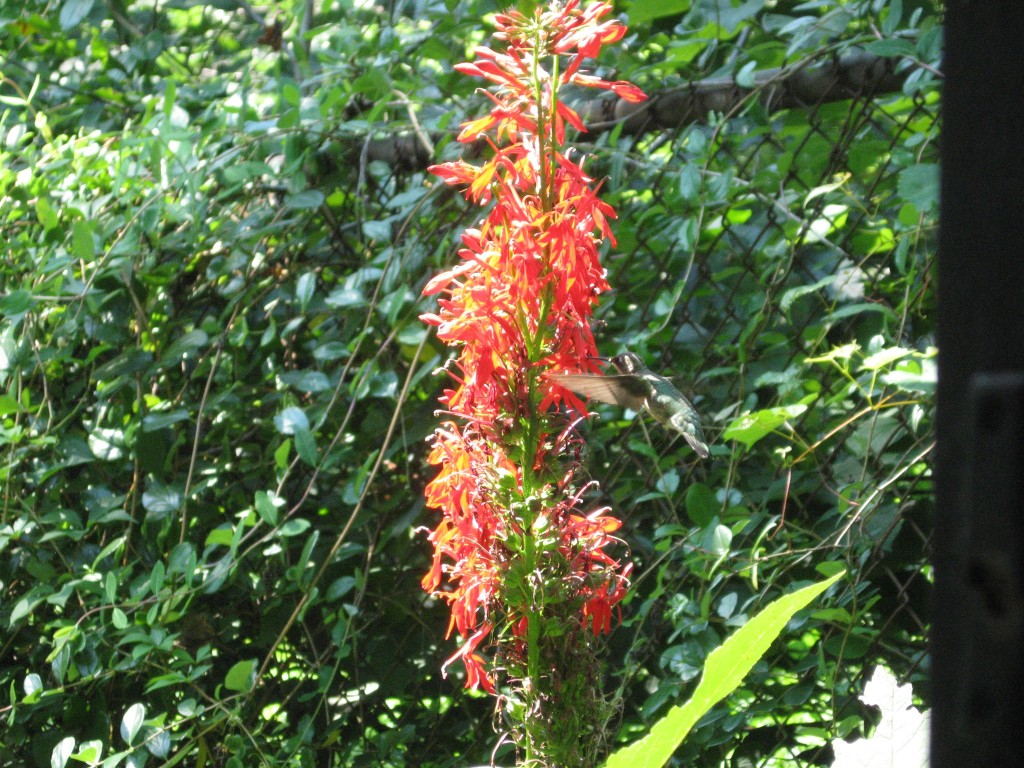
{"x": 152, "y": 422}
{"x": 716, "y": 539}
{"x": 160, "y": 500}
{"x": 72, "y": 12}
{"x": 291, "y": 420}
{"x": 302, "y": 201}
{"x": 891, "y": 47}
{"x": 642, "y": 12}
{"x": 82, "y": 244}
{"x": 745, "y": 77}
{"x": 90, "y": 751}
{"x": 184, "y": 345}
{"x": 305, "y": 446}
{"x": 132, "y": 722}
{"x": 267, "y": 504}
{"x": 750, "y": 428}
{"x": 159, "y": 744}
{"x": 919, "y": 184}
{"x": 701, "y": 505}
{"x": 901, "y": 738}
{"x": 884, "y": 357}
{"x": 32, "y": 684}
{"x": 304, "y": 289}
{"x": 16, "y": 303}
{"x": 306, "y": 381}
{"x": 61, "y": 752}
{"x": 241, "y": 676}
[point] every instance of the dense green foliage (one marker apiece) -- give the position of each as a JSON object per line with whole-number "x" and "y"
{"x": 215, "y": 389}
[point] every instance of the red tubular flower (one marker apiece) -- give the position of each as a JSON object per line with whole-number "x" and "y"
{"x": 517, "y": 305}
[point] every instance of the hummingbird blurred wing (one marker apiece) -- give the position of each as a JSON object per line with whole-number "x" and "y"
{"x": 626, "y": 391}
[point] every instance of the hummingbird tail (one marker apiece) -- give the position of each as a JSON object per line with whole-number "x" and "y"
{"x": 698, "y": 447}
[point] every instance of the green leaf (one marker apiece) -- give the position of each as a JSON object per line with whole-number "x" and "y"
{"x": 61, "y": 752}
{"x": 829, "y": 567}
{"x": 131, "y": 361}
{"x": 160, "y": 500}
{"x": 913, "y": 376}
{"x": 182, "y": 559}
{"x": 159, "y": 744}
{"x": 82, "y": 244}
{"x": 16, "y": 303}
{"x": 689, "y": 182}
{"x": 345, "y": 297}
{"x": 701, "y": 504}
{"x": 241, "y": 676}
{"x": 119, "y": 618}
{"x": 281, "y": 454}
{"x": 668, "y": 483}
{"x": 305, "y": 446}
{"x": 724, "y": 670}
{"x": 107, "y": 444}
{"x": 182, "y": 346}
{"x": 332, "y": 350}
{"x": 377, "y": 230}
{"x": 373, "y": 83}
{"x": 291, "y": 420}
{"x": 340, "y": 587}
{"x": 110, "y": 586}
{"x": 290, "y": 93}
{"x": 844, "y": 352}
{"x": 745, "y": 78}
{"x": 267, "y": 504}
{"x": 717, "y": 539}
{"x": 750, "y": 428}
{"x": 72, "y": 12}
{"x": 32, "y": 684}
{"x": 9, "y": 405}
{"x": 643, "y": 11}
{"x": 156, "y": 577}
{"x": 919, "y": 184}
{"x": 46, "y": 214}
{"x": 893, "y": 14}
{"x": 170, "y": 95}
{"x": 294, "y": 527}
{"x": 850, "y": 310}
{"x": 891, "y": 47}
{"x": 222, "y": 535}
{"x": 304, "y": 289}
{"x": 152, "y": 422}
{"x": 306, "y": 381}
{"x": 837, "y": 182}
{"x": 884, "y": 357}
{"x": 89, "y": 752}
{"x": 303, "y": 201}
{"x": 132, "y": 722}
{"x": 792, "y": 294}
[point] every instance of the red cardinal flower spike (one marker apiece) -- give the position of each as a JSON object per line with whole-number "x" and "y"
{"x": 524, "y": 570}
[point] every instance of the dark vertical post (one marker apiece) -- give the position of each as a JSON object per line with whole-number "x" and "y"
{"x": 978, "y": 635}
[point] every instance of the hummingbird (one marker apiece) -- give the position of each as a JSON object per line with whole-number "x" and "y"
{"x": 637, "y": 387}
